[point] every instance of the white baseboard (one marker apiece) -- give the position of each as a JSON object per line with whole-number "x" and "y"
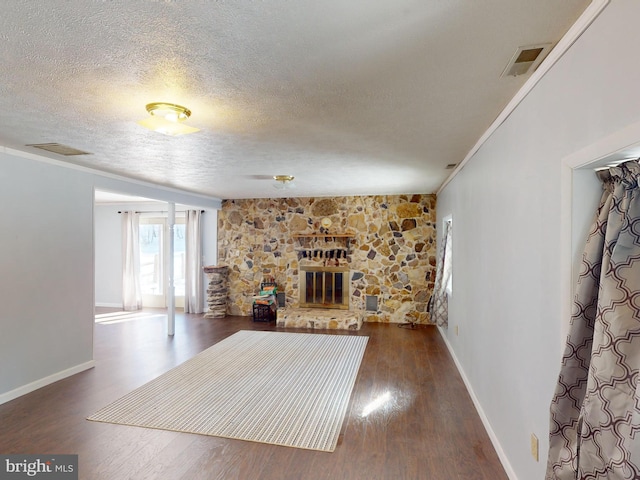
{"x": 110, "y": 305}
{"x": 30, "y": 387}
{"x": 485, "y": 421}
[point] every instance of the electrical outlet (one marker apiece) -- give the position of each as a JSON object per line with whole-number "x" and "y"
{"x": 534, "y": 447}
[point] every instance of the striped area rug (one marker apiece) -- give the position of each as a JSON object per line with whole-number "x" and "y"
{"x": 282, "y": 388}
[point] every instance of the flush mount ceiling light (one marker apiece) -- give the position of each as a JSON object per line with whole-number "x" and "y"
{"x": 283, "y": 182}
{"x": 167, "y": 118}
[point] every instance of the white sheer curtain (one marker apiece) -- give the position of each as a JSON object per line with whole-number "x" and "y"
{"x": 131, "y": 291}
{"x": 193, "y": 292}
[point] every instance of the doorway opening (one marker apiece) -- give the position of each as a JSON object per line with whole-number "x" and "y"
{"x": 581, "y": 191}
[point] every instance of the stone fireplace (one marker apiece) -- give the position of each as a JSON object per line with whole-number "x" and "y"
{"x": 324, "y": 287}
{"x": 323, "y": 300}
{"x": 386, "y": 244}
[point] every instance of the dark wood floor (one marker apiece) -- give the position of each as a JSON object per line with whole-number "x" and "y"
{"x": 428, "y": 429}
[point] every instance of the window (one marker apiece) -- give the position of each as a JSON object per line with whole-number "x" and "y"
{"x": 448, "y": 253}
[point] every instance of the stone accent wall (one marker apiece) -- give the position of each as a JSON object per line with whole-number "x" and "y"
{"x": 392, "y": 254}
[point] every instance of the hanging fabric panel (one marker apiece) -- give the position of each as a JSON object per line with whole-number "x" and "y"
{"x": 193, "y": 295}
{"x": 131, "y": 290}
{"x": 439, "y": 304}
{"x": 595, "y": 412}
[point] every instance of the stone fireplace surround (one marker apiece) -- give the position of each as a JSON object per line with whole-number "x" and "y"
{"x": 391, "y": 256}
{"x": 312, "y": 315}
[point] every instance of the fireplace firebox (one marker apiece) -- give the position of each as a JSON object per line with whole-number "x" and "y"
{"x": 324, "y": 287}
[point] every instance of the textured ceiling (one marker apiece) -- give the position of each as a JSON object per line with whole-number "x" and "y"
{"x": 351, "y": 97}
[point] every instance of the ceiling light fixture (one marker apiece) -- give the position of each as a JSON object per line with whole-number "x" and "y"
{"x": 166, "y": 118}
{"x": 283, "y": 182}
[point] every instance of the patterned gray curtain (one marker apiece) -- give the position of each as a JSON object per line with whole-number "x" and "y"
{"x": 439, "y": 303}
{"x": 595, "y": 412}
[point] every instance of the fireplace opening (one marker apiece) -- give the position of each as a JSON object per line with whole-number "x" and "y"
{"x": 324, "y": 287}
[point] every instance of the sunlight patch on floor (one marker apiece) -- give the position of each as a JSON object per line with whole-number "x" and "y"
{"x": 122, "y": 316}
{"x": 376, "y": 403}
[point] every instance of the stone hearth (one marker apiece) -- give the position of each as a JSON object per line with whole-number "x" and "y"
{"x": 319, "y": 318}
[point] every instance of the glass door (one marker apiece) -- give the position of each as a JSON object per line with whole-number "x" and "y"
{"x": 154, "y": 277}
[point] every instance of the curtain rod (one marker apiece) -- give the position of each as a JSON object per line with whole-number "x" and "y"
{"x": 158, "y": 211}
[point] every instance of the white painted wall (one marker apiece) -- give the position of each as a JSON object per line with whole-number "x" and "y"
{"x": 108, "y": 255}
{"x": 47, "y": 265}
{"x": 508, "y": 221}
{"x": 47, "y": 271}
{"x": 108, "y": 243}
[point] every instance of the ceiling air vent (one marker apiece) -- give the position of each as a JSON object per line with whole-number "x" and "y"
{"x": 450, "y": 166}
{"x": 58, "y": 148}
{"x": 526, "y": 59}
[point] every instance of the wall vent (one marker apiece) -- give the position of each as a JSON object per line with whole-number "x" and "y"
{"x": 450, "y": 166}
{"x": 526, "y": 59}
{"x": 371, "y": 303}
{"x": 58, "y": 148}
